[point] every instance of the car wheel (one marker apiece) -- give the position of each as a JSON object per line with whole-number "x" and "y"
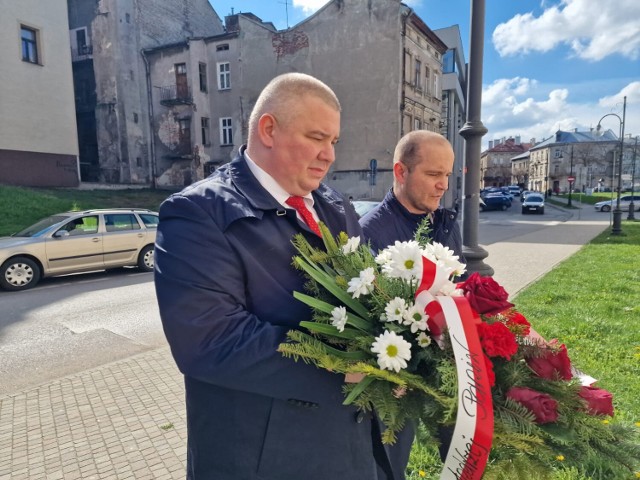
{"x": 145, "y": 259}
{"x": 503, "y": 207}
{"x": 524, "y": 211}
{"x": 19, "y": 273}
{"x": 542, "y": 211}
{"x": 606, "y": 208}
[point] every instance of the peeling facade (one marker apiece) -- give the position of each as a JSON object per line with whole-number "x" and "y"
{"x": 382, "y": 61}
{"x": 110, "y": 78}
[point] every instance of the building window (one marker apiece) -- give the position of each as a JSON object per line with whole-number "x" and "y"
{"x": 417, "y": 124}
{"x": 427, "y": 80}
{"x": 226, "y": 131}
{"x": 202, "y": 70}
{"x": 418, "y": 74}
{"x": 436, "y": 85}
{"x": 220, "y": 48}
{"x": 224, "y": 76}
{"x": 29, "y": 44}
{"x": 204, "y": 124}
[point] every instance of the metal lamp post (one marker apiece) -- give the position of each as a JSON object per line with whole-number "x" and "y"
{"x": 571, "y": 178}
{"x": 616, "y": 229}
{"x": 631, "y": 215}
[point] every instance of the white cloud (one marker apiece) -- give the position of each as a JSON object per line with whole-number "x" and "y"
{"x": 309, "y": 6}
{"x": 524, "y": 107}
{"x": 592, "y": 30}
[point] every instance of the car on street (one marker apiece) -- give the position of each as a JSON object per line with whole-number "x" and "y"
{"x": 608, "y": 205}
{"x": 534, "y": 202}
{"x": 364, "y": 206}
{"x": 494, "y": 201}
{"x": 74, "y": 242}
{"x": 515, "y": 190}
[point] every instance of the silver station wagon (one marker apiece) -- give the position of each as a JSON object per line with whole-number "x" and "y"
{"x": 75, "y": 242}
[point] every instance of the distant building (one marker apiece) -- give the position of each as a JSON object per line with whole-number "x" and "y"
{"x": 585, "y": 156}
{"x": 495, "y": 162}
{"x": 38, "y": 140}
{"x": 454, "y": 104}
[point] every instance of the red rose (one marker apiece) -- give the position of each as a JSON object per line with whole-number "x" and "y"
{"x": 599, "y": 401}
{"x": 485, "y": 295}
{"x": 518, "y": 324}
{"x": 541, "y": 405}
{"x": 552, "y": 365}
{"x": 497, "y": 340}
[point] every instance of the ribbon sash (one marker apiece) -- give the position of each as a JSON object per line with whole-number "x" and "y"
{"x": 473, "y": 433}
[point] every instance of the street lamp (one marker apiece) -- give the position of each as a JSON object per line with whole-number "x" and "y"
{"x": 571, "y": 178}
{"x": 631, "y": 215}
{"x": 617, "y": 213}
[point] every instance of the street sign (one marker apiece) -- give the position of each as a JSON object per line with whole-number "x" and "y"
{"x": 571, "y": 179}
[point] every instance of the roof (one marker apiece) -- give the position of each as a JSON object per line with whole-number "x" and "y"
{"x": 509, "y": 146}
{"x": 591, "y": 136}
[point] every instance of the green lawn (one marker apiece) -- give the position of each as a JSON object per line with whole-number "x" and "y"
{"x": 23, "y": 206}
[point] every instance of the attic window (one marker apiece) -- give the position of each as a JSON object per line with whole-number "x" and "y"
{"x": 222, "y": 47}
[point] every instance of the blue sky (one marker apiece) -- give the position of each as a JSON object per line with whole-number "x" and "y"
{"x": 548, "y": 65}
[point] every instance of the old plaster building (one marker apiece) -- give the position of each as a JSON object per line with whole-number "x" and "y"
{"x": 380, "y": 58}
{"x": 585, "y": 156}
{"x": 111, "y": 81}
{"x": 495, "y": 162}
{"x": 38, "y": 143}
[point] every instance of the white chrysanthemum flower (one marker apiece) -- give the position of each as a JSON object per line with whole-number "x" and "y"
{"x": 424, "y": 340}
{"x": 395, "y": 310}
{"x": 383, "y": 257}
{"x": 362, "y": 285}
{"x": 393, "y": 351}
{"x": 351, "y": 246}
{"x": 444, "y": 257}
{"x": 449, "y": 289}
{"x": 406, "y": 261}
{"x": 415, "y": 318}
{"x": 339, "y": 318}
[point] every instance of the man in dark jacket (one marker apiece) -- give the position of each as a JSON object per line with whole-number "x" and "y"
{"x": 422, "y": 164}
{"x": 224, "y": 283}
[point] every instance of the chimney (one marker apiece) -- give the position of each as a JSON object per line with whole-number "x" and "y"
{"x": 490, "y": 144}
{"x": 518, "y": 140}
{"x": 532, "y": 141}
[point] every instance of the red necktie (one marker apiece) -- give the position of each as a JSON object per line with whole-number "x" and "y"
{"x": 305, "y": 213}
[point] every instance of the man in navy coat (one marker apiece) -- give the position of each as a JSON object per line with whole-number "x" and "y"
{"x": 224, "y": 283}
{"x": 422, "y": 164}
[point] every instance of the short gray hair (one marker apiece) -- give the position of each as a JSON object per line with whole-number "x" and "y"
{"x": 408, "y": 148}
{"x": 282, "y": 93}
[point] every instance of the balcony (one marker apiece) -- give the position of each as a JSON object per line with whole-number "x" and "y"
{"x": 83, "y": 52}
{"x": 175, "y": 95}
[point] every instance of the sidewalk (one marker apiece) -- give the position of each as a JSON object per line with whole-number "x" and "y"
{"x": 126, "y": 420}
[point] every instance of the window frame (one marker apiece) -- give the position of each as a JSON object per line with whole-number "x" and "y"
{"x": 30, "y": 46}
{"x": 202, "y": 75}
{"x": 224, "y": 76}
{"x": 205, "y": 130}
{"x": 226, "y": 131}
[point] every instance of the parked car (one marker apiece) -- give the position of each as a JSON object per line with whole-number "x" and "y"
{"x": 364, "y": 206}
{"x": 625, "y": 201}
{"x": 75, "y": 242}
{"x": 494, "y": 201}
{"x": 534, "y": 202}
{"x": 515, "y": 190}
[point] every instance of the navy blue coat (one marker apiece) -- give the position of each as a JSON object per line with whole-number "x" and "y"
{"x": 382, "y": 226}
{"x": 224, "y": 284}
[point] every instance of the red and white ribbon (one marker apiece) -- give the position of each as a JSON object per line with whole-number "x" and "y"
{"x": 473, "y": 433}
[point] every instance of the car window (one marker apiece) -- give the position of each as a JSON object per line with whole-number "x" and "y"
{"x": 149, "y": 220}
{"x": 120, "y": 222}
{"x": 82, "y": 226}
{"x": 38, "y": 228}
{"x": 534, "y": 198}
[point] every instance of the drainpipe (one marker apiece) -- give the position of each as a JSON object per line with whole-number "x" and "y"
{"x": 404, "y": 68}
{"x": 152, "y": 148}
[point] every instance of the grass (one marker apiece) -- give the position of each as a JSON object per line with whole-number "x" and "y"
{"x": 590, "y": 302}
{"x": 25, "y": 206}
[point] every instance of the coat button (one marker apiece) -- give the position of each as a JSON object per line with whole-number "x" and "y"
{"x": 446, "y": 230}
{"x": 360, "y": 416}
